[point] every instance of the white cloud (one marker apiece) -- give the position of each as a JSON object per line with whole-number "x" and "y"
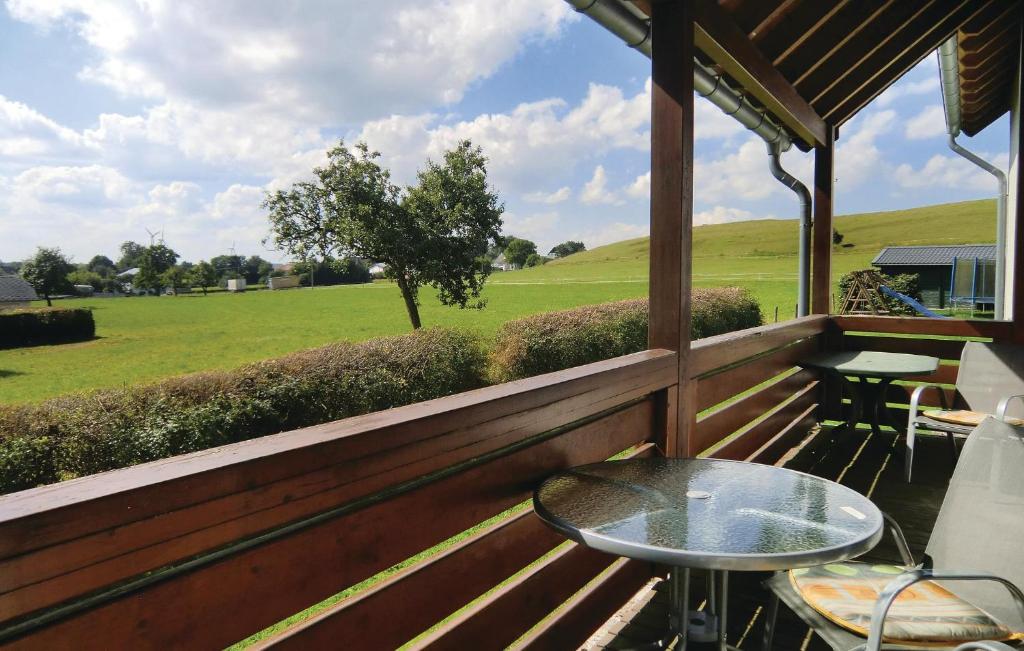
{"x": 724, "y": 215}
{"x": 613, "y": 232}
{"x": 558, "y": 196}
{"x": 24, "y": 133}
{"x": 929, "y": 123}
{"x": 901, "y": 89}
{"x": 641, "y": 187}
{"x": 539, "y": 227}
{"x": 527, "y": 146}
{"x": 945, "y": 172}
{"x": 338, "y": 61}
{"x": 596, "y": 189}
{"x": 858, "y": 157}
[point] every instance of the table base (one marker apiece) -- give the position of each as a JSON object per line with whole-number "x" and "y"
{"x": 697, "y": 626}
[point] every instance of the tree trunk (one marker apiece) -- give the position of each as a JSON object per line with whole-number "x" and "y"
{"x": 49, "y": 303}
{"x": 410, "y": 301}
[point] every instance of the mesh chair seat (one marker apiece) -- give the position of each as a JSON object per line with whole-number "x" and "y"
{"x": 943, "y": 426}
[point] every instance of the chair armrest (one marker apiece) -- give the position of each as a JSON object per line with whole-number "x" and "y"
{"x": 984, "y": 646}
{"x": 901, "y": 540}
{"x": 915, "y": 398}
{"x": 909, "y": 578}
{"x": 1004, "y": 403}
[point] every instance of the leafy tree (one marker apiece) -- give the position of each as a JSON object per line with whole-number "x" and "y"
{"x": 567, "y": 248}
{"x": 174, "y": 277}
{"x": 47, "y": 271}
{"x": 228, "y": 265}
{"x": 86, "y": 277}
{"x": 154, "y": 262}
{"x": 837, "y": 237}
{"x": 333, "y": 271}
{"x": 102, "y": 265}
{"x": 204, "y": 275}
{"x": 535, "y": 260}
{"x": 435, "y": 233}
{"x": 518, "y": 250}
{"x": 256, "y": 270}
{"x": 131, "y": 256}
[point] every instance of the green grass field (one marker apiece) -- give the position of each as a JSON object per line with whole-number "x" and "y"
{"x": 144, "y": 339}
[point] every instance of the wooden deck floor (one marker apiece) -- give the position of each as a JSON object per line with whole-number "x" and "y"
{"x": 861, "y": 461}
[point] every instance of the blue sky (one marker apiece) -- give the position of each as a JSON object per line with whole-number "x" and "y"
{"x": 118, "y": 116}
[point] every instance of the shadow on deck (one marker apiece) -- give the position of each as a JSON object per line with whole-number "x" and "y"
{"x": 861, "y": 461}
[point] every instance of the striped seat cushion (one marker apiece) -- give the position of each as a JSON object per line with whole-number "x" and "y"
{"x": 924, "y": 614}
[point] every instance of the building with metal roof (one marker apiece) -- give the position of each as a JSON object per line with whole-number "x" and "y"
{"x": 947, "y": 274}
{"x": 15, "y": 292}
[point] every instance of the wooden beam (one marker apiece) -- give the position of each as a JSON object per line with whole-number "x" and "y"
{"x": 821, "y": 240}
{"x": 892, "y": 61}
{"x": 672, "y": 207}
{"x": 720, "y": 38}
{"x": 840, "y": 41}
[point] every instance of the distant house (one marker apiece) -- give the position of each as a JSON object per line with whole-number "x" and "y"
{"x": 948, "y": 274}
{"x": 501, "y": 264}
{"x": 377, "y": 269}
{"x": 15, "y": 292}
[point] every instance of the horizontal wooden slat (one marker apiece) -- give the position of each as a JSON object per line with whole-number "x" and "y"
{"x": 747, "y": 443}
{"x": 997, "y": 330}
{"x": 941, "y": 348}
{"x": 715, "y": 426}
{"x": 244, "y": 592}
{"x": 724, "y": 350}
{"x": 790, "y": 435}
{"x": 586, "y": 611}
{"x": 467, "y": 570}
{"x": 360, "y": 460}
{"x": 719, "y": 387}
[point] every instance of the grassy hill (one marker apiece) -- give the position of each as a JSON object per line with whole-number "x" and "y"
{"x": 761, "y": 255}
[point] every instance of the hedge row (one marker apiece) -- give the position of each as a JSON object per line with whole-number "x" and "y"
{"x": 81, "y": 434}
{"x": 557, "y": 340}
{"x": 35, "y": 326}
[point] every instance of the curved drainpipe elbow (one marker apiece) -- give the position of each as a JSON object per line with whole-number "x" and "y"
{"x": 804, "y": 258}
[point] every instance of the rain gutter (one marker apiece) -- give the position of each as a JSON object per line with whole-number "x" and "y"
{"x": 949, "y": 73}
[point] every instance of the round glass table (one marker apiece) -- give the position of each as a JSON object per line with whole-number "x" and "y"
{"x": 706, "y": 513}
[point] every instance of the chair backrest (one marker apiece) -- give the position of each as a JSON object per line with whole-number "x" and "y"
{"x": 988, "y": 372}
{"x": 981, "y": 523}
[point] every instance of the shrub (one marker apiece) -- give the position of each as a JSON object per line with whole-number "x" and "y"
{"x": 903, "y": 283}
{"x": 557, "y": 340}
{"x": 81, "y": 434}
{"x": 35, "y": 326}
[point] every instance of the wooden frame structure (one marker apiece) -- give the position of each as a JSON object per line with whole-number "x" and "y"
{"x": 428, "y": 502}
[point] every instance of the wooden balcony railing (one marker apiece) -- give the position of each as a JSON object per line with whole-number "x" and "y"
{"x": 204, "y": 550}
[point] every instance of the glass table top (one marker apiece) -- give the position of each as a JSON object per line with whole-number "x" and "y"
{"x": 707, "y": 513}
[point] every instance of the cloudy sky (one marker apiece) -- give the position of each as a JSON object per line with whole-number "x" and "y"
{"x": 118, "y": 116}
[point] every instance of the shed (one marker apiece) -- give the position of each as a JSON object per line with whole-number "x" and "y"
{"x": 935, "y": 265}
{"x": 15, "y": 292}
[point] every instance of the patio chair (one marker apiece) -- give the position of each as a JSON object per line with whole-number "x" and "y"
{"x": 989, "y": 378}
{"x": 975, "y": 551}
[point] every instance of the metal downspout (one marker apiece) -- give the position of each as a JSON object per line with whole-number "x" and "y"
{"x": 628, "y": 23}
{"x": 804, "y": 259}
{"x": 949, "y": 73}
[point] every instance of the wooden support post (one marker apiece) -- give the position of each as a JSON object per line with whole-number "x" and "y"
{"x": 821, "y": 240}
{"x": 672, "y": 208}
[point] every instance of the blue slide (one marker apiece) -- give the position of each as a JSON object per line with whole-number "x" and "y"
{"x": 920, "y": 309}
